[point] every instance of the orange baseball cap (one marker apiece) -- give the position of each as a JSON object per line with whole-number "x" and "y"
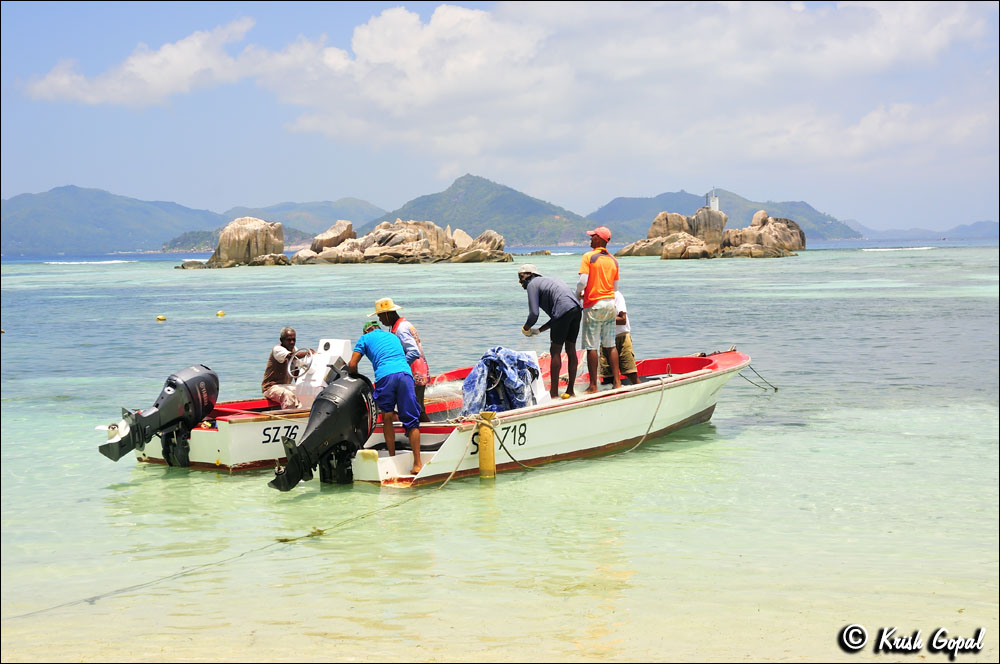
{"x": 602, "y": 232}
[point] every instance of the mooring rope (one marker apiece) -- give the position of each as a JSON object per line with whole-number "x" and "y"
{"x": 652, "y": 419}
{"x": 319, "y": 532}
{"x": 759, "y": 376}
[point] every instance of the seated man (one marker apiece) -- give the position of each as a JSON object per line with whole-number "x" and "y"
{"x": 393, "y": 386}
{"x": 275, "y": 385}
{"x": 623, "y": 341}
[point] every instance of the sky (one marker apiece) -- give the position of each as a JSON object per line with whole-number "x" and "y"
{"x": 886, "y": 114}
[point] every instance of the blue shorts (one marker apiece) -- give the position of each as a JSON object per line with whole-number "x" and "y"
{"x": 395, "y": 393}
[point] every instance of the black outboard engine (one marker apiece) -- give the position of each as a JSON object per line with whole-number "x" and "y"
{"x": 188, "y": 396}
{"x": 341, "y": 420}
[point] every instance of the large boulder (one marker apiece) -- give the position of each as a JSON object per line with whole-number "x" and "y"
{"x": 708, "y": 224}
{"x": 649, "y": 247}
{"x": 333, "y": 236}
{"x": 487, "y": 248}
{"x": 685, "y": 245}
{"x": 673, "y": 235}
{"x": 668, "y": 223}
{"x": 270, "y": 259}
{"x": 340, "y": 254}
{"x": 246, "y": 238}
{"x": 403, "y": 241}
{"x": 415, "y": 242}
{"x": 461, "y": 239}
{"x": 304, "y": 257}
{"x": 765, "y": 237}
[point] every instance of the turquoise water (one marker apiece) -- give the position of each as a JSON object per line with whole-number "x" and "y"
{"x": 864, "y": 491}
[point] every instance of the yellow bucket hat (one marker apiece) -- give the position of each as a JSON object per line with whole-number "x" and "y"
{"x": 384, "y": 305}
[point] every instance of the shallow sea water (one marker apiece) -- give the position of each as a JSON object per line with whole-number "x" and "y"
{"x": 864, "y": 491}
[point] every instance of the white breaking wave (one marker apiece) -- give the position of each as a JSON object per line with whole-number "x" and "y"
{"x": 85, "y": 262}
{"x": 902, "y": 249}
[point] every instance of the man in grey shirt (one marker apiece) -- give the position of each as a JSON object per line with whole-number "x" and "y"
{"x": 557, "y": 300}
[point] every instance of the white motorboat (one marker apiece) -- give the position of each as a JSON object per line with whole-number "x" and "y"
{"x": 342, "y": 435}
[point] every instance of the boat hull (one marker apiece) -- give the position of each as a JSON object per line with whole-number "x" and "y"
{"x": 675, "y": 393}
{"x": 585, "y": 426}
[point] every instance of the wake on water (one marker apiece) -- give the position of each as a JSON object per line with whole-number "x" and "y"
{"x": 901, "y": 249}
{"x": 86, "y": 262}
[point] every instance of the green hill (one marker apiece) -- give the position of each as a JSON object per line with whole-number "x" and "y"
{"x": 476, "y": 204}
{"x": 634, "y": 215}
{"x": 629, "y": 218}
{"x": 93, "y": 221}
{"x": 312, "y": 218}
{"x": 817, "y": 225}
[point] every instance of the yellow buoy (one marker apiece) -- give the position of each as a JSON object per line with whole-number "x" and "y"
{"x": 161, "y": 318}
{"x": 487, "y": 458}
{"x": 220, "y": 313}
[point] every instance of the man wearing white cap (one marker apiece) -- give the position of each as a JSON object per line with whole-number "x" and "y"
{"x": 597, "y": 285}
{"x": 557, "y": 300}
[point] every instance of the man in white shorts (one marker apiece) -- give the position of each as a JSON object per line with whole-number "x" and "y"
{"x": 596, "y": 287}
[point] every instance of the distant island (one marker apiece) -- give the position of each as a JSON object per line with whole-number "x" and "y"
{"x": 78, "y": 220}
{"x": 980, "y": 230}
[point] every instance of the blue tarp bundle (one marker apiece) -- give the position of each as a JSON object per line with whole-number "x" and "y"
{"x": 500, "y": 381}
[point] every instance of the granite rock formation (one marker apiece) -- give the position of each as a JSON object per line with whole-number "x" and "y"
{"x": 409, "y": 242}
{"x": 487, "y": 248}
{"x": 765, "y": 237}
{"x": 333, "y": 236}
{"x": 704, "y": 235}
{"x": 673, "y": 235}
{"x": 246, "y": 238}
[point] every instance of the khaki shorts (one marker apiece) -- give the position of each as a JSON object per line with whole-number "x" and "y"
{"x": 626, "y": 358}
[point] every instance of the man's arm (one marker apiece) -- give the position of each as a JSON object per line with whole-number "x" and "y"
{"x": 620, "y": 318}
{"x": 410, "y": 348}
{"x": 352, "y": 366}
{"x": 581, "y": 284}
{"x": 532, "y": 306}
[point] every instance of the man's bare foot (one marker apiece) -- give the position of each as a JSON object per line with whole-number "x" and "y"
{"x": 416, "y": 469}
{"x": 591, "y": 390}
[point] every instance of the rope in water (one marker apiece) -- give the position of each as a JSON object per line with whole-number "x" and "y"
{"x": 652, "y": 419}
{"x": 759, "y": 376}
{"x": 315, "y": 532}
{"x": 318, "y": 532}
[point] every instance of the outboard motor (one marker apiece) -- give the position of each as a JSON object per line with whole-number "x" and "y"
{"x": 340, "y": 421}
{"x": 188, "y": 396}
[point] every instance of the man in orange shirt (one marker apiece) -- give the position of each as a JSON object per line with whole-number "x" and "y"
{"x": 597, "y": 285}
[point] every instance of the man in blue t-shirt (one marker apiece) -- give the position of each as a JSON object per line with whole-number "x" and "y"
{"x": 393, "y": 386}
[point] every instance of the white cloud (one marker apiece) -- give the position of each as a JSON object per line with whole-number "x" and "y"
{"x": 550, "y": 91}
{"x": 150, "y": 77}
